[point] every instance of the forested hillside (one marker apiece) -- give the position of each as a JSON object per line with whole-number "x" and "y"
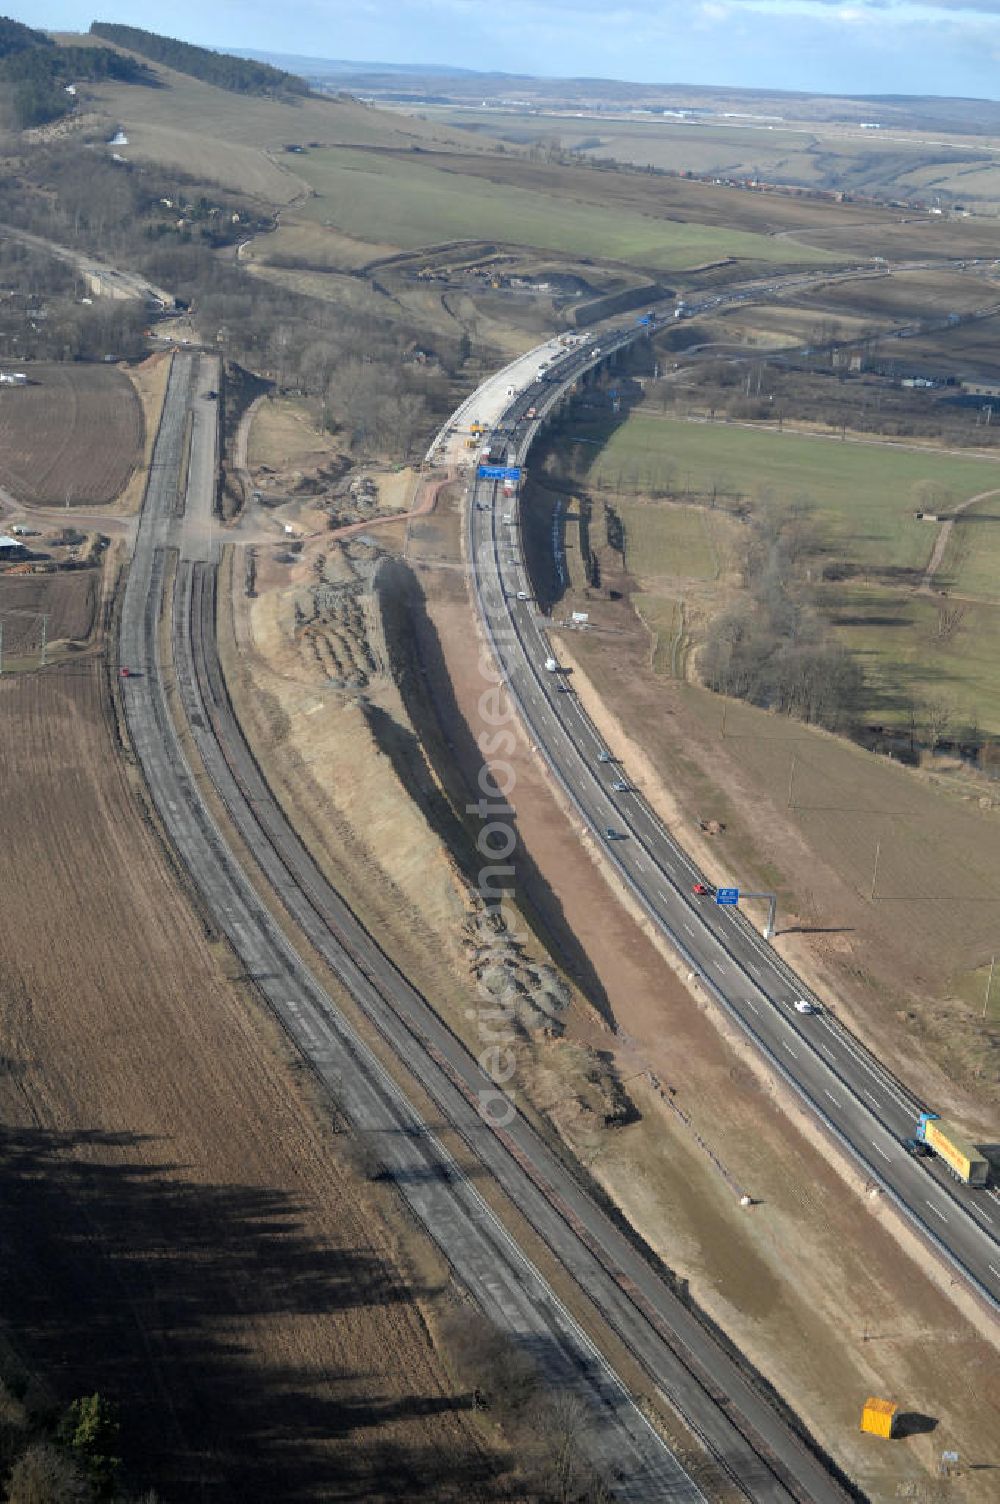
{"x": 35, "y": 73}
{"x": 238, "y": 74}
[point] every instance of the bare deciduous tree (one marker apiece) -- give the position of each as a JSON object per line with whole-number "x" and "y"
{"x": 563, "y": 1423}
{"x": 932, "y": 496}
{"x": 950, "y": 615}
{"x": 44, "y": 1474}
{"x": 937, "y": 718}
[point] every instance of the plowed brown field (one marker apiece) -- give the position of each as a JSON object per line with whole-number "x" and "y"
{"x": 75, "y": 434}
{"x": 68, "y": 600}
{"x": 181, "y": 1229}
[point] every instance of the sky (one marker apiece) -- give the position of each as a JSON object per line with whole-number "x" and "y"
{"x": 949, "y": 47}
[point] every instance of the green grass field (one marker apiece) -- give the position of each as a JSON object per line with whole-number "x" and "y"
{"x": 971, "y": 564}
{"x": 238, "y": 140}
{"x": 663, "y": 616}
{"x": 808, "y": 153}
{"x": 865, "y": 494}
{"x": 895, "y": 637}
{"x": 669, "y": 540}
{"x": 411, "y": 203}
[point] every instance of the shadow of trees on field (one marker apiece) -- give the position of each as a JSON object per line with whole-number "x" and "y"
{"x": 817, "y": 929}
{"x": 120, "y": 1277}
{"x": 541, "y": 533}
{"x": 869, "y": 619}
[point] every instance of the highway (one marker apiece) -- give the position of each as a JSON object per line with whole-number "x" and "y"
{"x": 104, "y": 280}
{"x": 866, "y": 1109}
{"x": 757, "y": 1448}
{"x": 483, "y": 1255}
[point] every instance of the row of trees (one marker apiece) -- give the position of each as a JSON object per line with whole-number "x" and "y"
{"x": 72, "y": 331}
{"x": 812, "y": 390}
{"x": 69, "y": 1459}
{"x": 770, "y": 648}
{"x": 545, "y": 1428}
{"x": 31, "y": 274}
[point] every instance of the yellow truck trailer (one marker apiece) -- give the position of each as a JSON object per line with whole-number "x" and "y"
{"x": 962, "y": 1158}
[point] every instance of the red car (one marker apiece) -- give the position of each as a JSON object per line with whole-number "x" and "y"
{"x": 703, "y": 890}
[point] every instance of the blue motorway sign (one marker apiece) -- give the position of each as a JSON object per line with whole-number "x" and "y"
{"x": 647, "y": 318}
{"x": 499, "y": 472}
{"x": 727, "y": 896}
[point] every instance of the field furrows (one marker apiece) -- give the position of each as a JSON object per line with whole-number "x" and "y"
{"x": 182, "y": 1231}
{"x": 73, "y": 435}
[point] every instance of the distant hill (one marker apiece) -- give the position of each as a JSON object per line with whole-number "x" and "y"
{"x": 35, "y": 74}
{"x": 223, "y": 69}
{"x": 412, "y": 83}
{"x": 331, "y": 67}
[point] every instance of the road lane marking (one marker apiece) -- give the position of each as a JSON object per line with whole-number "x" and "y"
{"x": 881, "y": 1151}
{"x": 938, "y": 1210}
{"x": 689, "y": 929}
{"x": 789, "y": 1048}
{"x": 870, "y": 1065}
{"x": 663, "y": 895}
{"x": 753, "y": 968}
{"x": 993, "y": 1270}
{"x": 984, "y": 1215}
{"x": 719, "y": 967}
{"x": 869, "y": 1096}
{"x": 750, "y": 1005}
{"x": 833, "y": 1099}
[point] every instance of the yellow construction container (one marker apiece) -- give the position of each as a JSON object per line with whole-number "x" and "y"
{"x": 879, "y": 1417}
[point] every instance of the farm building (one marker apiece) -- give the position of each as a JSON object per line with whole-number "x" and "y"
{"x": 10, "y": 548}
{"x": 13, "y": 378}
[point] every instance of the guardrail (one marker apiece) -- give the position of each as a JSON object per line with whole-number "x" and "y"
{"x": 781, "y": 967}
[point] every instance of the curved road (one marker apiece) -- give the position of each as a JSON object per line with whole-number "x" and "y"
{"x": 759, "y": 1449}
{"x": 112, "y": 280}
{"x": 860, "y": 1103}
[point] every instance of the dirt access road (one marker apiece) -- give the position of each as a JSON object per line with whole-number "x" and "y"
{"x": 945, "y": 532}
